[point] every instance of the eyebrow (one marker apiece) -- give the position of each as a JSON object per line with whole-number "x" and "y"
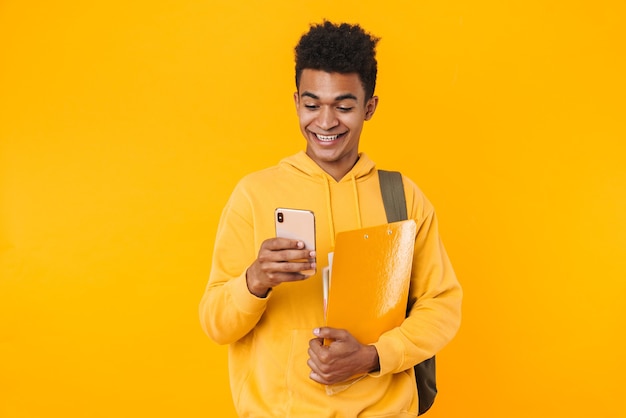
{"x": 347, "y": 96}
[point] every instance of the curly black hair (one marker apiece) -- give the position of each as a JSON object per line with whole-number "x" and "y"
{"x": 341, "y": 48}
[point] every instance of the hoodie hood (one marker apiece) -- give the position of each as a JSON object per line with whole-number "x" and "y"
{"x": 302, "y": 165}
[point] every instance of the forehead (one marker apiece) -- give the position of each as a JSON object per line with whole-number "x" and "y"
{"x": 329, "y": 86}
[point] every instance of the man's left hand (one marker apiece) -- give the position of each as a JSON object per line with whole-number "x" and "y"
{"x": 344, "y": 358}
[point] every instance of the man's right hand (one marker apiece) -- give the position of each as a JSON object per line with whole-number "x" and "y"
{"x": 275, "y": 264}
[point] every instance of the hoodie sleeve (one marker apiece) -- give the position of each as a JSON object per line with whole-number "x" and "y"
{"x": 228, "y": 311}
{"x": 434, "y": 298}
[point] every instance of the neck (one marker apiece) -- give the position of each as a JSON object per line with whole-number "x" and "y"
{"x": 338, "y": 170}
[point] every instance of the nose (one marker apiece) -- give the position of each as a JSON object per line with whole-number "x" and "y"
{"x": 326, "y": 119}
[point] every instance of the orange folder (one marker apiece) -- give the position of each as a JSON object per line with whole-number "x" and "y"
{"x": 369, "y": 279}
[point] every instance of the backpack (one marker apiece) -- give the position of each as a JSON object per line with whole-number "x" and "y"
{"x": 392, "y": 191}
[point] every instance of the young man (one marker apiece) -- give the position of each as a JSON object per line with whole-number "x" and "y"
{"x": 269, "y": 312}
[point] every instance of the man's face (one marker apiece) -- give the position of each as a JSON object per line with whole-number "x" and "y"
{"x": 332, "y": 109}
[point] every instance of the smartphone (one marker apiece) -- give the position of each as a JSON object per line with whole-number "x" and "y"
{"x": 296, "y": 224}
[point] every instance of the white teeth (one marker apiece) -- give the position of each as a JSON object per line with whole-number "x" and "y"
{"x": 326, "y": 138}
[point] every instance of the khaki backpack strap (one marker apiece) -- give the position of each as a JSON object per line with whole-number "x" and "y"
{"x": 393, "y": 195}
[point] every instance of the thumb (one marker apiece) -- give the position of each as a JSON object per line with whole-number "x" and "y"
{"x": 329, "y": 333}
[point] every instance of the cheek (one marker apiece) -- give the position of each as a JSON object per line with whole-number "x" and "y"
{"x": 354, "y": 122}
{"x": 305, "y": 118}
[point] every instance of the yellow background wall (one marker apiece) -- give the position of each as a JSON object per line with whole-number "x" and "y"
{"x": 124, "y": 126}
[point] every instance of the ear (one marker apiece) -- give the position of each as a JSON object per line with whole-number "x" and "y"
{"x": 296, "y": 100}
{"x": 370, "y": 107}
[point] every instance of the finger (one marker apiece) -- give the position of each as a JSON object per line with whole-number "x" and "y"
{"x": 284, "y": 256}
{"x": 292, "y": 255}
{"x": 316, "y": 345}
{"x": 278, "y": 243}
{"x": 285, "y": 261}
{"x": 313, "y": 365}
{"x": 316, "y": 374}
{"x": 316, "y": 377}
{"x": 289, "y": 267}
{"x": 277, "y": 277}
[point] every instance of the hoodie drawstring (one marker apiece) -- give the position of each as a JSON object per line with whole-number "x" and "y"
{"x": 329, "y": 210}
{"x": 356, "y": 202}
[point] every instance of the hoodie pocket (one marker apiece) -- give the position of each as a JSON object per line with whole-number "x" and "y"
{"x": 301, "y": 388}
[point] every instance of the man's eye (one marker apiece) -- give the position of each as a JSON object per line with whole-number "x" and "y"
{"x": 310, "y": 106}
{"x": 345, "y": 109}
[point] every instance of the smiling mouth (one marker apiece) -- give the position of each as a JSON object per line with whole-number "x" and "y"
{"x": 327, "y": 138}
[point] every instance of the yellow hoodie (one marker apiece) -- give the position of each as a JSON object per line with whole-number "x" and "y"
{"x": 269, "y": 337}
